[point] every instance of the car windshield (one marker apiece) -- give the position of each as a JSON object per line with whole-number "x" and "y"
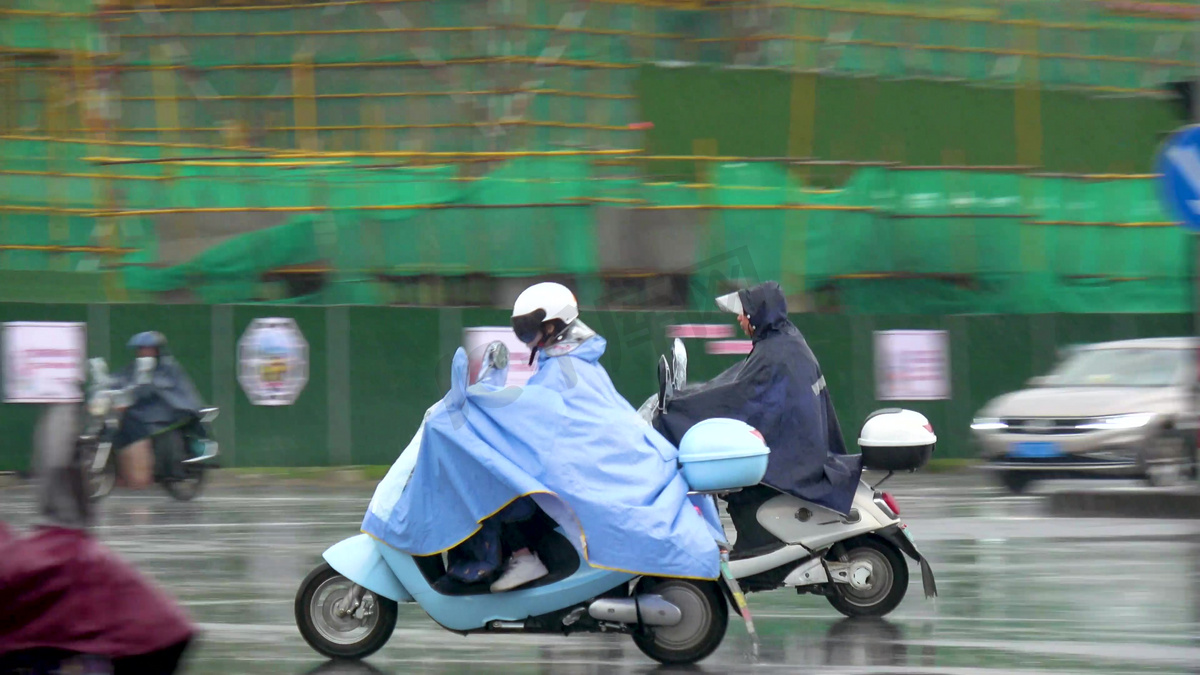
{"x": 1121, "y": 368}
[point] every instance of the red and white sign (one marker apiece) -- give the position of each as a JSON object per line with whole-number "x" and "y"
{"x": 707, "y": 331}
{"x": 476, "y": 340}
{"x": 912, "y": 365}
{"x": 44, "y": 362}
{"x": 724, "y": 347}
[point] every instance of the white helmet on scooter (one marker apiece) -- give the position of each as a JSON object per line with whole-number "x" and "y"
{"x": 541, "y": 304}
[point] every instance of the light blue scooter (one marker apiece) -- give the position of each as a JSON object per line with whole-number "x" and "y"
{"x": 347, "y": 607}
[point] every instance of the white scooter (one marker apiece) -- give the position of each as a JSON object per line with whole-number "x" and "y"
{"x": 855, "y": 561}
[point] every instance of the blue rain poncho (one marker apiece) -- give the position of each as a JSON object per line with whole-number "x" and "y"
{"x": 568, "y": 439}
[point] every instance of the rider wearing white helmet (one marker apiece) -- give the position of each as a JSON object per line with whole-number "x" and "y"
{"x": 543, "y": 315}
{"x": 568, "y": 451}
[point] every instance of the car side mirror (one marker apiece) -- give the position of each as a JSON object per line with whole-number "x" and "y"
{"x": 664, "y": 383}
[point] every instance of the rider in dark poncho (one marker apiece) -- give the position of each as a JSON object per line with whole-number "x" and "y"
{"x": 167, "y": 399}
{"x": 778, "y": 389}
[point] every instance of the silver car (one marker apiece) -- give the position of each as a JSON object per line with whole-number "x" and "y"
{"x": 1116, "y": 409}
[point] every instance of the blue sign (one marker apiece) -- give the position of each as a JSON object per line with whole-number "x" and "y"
{"x": 1179, "y": 166}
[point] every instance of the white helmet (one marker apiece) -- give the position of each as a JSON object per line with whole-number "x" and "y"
{"x": 540, "y": 304}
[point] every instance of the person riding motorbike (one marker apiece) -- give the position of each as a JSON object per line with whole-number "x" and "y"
{"x": 541, "y": 316}
{"x": 496, "y": 470}
{"x": 780, "y": 390}
{"x": 68, "y": 601}
{"x": 164, "y": 399}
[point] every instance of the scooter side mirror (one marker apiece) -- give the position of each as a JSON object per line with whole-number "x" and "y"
{"x": 664, "y": 383}
{"x": 497, "y": 355}
{"x": 99, "y": 370}
{"x": 495, "y": 360}
{"x": 679, "y": 364}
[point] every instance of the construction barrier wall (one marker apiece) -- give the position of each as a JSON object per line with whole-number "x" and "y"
{"x": 373, "y": 371}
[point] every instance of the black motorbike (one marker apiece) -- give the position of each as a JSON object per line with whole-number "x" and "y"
{"x": 186, "y": 448}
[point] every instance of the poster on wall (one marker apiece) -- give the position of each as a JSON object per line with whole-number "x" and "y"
{"x": 273, "y": 362}
{"x": 44, "y": 362}
{"x": 912, "y": 365}
{"x": 476, "y": 340}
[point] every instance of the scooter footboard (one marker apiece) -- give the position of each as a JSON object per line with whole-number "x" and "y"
{"x": 358, "y": 559}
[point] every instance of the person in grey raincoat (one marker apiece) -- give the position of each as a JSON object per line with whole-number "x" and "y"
{"x": 163, "y": 399}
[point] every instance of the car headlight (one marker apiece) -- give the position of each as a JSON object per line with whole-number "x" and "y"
{"x": 988, "y": 424}
{"x": 99, "y": 405}
{"x": 1115, "y": 422}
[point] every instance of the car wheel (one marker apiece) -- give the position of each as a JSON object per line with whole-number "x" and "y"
{"x": 1015, "y": 482}
{"x": 1173, "y": 462}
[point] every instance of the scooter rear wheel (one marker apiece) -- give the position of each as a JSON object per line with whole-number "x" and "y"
{"x": 341, "y": 637}
{"x": 705, "y": 618}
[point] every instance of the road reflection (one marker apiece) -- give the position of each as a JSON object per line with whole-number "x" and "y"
{"x": 859, "y": 643}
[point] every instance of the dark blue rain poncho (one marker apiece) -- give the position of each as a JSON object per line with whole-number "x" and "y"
{"x": 169, "y": 397}
{"x": 779, "y": 390}
{"x": 568, "y": 439}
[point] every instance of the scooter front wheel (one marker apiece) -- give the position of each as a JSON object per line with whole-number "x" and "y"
{"x": 327, "y": 625}
{"x": 698, "y": 634}
{"x": 100, "y": 482}
{"x": 879, "y": 578}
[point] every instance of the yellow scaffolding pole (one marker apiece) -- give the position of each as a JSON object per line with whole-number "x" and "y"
{"x": 58, "y": 223}
{"x": 407, "y": 94}
{"x": 304, "y": 106}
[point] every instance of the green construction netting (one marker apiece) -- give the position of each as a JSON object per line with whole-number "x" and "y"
{"x": 1059, "y": 43}
{"x": 47, "y": 25}
{"x": 374, "y": 88}
{"x": 888, "y": 239}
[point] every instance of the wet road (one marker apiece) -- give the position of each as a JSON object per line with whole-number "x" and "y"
{"x": 1020, "y": 592}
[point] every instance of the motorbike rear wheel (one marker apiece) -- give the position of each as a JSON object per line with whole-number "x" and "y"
{"x": 318, "y": 603}
{"x": 882, "y": 590}
{"x": 705, "y": 619}
{"x": 174, "y": 449}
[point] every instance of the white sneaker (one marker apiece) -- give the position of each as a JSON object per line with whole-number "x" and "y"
{"x": 520, "y": 570}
